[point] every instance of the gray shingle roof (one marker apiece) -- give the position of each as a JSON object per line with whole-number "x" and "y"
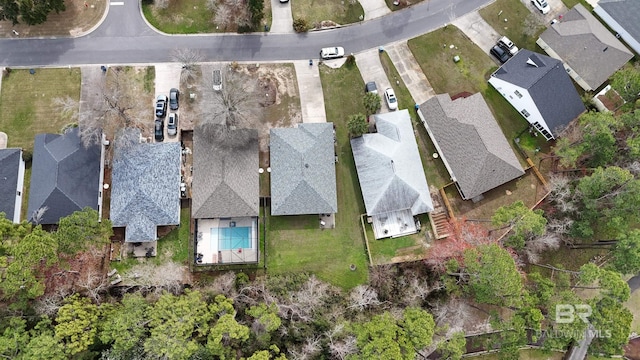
{"x": 626, "y": 13}
{"x": 145, "y": 188}
{"x": 586, "y": 46}
{"x": 303, "y": 172}
{"x": 389, "y": 167}
{"x": 471, "y": 142}
{"x": 65, "y": 176}
{"x": 550, "y": 87}
{"x": 225, "y": 177}
{"x": 9, "y": 168}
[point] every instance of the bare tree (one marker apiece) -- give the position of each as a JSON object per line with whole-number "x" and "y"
{"x": 118, "y": 108}
{"x": 308, "y": 350}
{"x": 167, "y": 276}
{"x": 189, "y": 58}
{"x": 68, "y": 107}
{"x": 341, "y": 346}
{"x": 50, "y": 303}
{"x": 94, "y": 285}
{"x": 225, "y": 284}
{"x": 230, "y": 14}
{"x": 38, "y": 214}
{"x": 533, "y": 248}
{"x": 302, "y": 304}
{"x": 363, "y": 297}
{"x": 561, "y": 193}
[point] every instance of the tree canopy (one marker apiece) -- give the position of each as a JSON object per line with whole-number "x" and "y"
{"x": 30, "y": 12}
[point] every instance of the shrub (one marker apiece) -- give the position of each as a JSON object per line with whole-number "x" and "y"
{"x": 300, "y": 25}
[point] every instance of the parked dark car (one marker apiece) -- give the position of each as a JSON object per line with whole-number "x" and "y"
{"x": 371, "y": 87}
{"x": 172, "y": 124}
{"x": 500, "y": 54}
{"x": 159, "y": 130}
{"x": 161, "y": 106}
{"x": 174, "y": 97}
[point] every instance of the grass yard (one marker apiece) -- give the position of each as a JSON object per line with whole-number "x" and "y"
{"x": 406, "y": 248}
{"x": 180, "y": 17}
{"x": 436, "y": 61}
{"x": 527, "y": 354}
{"x": 26, "y": 103}
{"x": 401, "y": 4}
{"x": 523, "y": 27}
{"x": 316, "y": 11}
{"x": 296, "y": 243}
{"x": 75, "y": 20}
{"x": 401, "y": 90}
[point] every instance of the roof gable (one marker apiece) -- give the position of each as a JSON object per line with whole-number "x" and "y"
{"x": 389, "y": 167}
{"x": 303, "y": 177}
{"x": 472, "y": 143}
{"x": 65, "y": 176}
{"x": 10, "y": 160}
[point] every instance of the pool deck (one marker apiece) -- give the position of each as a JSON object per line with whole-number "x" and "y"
{"x": 208, "y": 247}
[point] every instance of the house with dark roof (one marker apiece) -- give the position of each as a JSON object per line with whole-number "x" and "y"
{"x": 11, "y": 183}
{"x": 538, "y": 87}
{"x": 145, "y": 190}
{"x": 303, "y": 171}
{"x": 622, "y": 17}
{"x": 225, "y": 192}
{"x": 589, "y": 52}
{"x": 470, "y": 143}
{"x": 391, "y": 176}
{"x": 65, "y": 177}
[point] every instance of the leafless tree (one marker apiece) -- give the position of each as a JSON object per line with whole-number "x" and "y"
{"x": 559, "y": 226}
{"x": 301, "y": 305}
{"x": 118, "y": 107}
{"x": 50, "y": 303}
{"x": 167, "y": 276}
{"x": 341, "y": 346}
{"x": 308, "y": 350}
{"x": 225, "y": 284}
{"x": 38, "y": 214}
{"x": 363, "y": 297}
{"x": 534, "y": 247}
{"x": 561, "y": 193}
{"x": 94, "y": 284}
{"x": 230, "y": 14}
{"x": 418, "y": 289}
{"x": 189, "y": 58}
{"x": 68, "y": 107}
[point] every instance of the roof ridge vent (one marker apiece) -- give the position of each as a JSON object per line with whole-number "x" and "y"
{"x": 531, "y": 62}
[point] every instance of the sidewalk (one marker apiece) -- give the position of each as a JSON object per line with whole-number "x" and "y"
{"x": 410, "y": 72}
{"x": 311, "y": 96}
{"x": 374, "y": 9}
{"x": 282, "y": 18}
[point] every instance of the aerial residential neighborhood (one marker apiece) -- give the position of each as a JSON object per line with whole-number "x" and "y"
{"x": 320, "y": 179}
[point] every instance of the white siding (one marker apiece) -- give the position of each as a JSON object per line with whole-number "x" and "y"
{"x": 19, "y": 191}
{"x": 507, "y": 90}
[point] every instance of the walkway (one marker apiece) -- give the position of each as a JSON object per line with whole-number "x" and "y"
{"x": 371, "y": 70}
{"x": 478, "y": 30}
{"x": 410, "y": 72}
{"x": 281, "y": 18}
{"x": 374, "y": 8}
{"x": 310, "y": 87}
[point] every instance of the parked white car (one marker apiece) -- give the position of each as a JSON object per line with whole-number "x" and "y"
{"x": 542, "y": 6}
{"x": 507, "y": 45}
{"x": 392, "y": 101}
{"x": 331, "y": 53}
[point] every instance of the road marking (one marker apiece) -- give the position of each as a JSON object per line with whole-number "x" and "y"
{"x": 116, "y": 3}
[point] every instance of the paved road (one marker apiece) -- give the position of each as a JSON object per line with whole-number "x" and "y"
{"x": 122, "y": 39}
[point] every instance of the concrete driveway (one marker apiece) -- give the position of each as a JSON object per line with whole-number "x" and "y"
{"x": 410, "y": 72}
{"x": 371, "y": 70}
{"x": 167, "y": 77}
{"x": 478, "y": 30}
{"x": 311, "y": 95}
{"x": 282, "y": 19}
{"x": 374, "y": 8}
{"x": 557, "y": 8}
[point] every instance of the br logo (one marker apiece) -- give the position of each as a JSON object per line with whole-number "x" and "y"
{"x": 567, "y": 313}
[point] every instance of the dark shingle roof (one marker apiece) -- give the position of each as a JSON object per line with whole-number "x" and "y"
{"x": 303, "y": 172}
{"x": 10, "y": 160}
{"x": 471, "y": 142}
{"x": 145, "y": 189}
{"x": 225, "y": 173}
{"x": 65, "y": 176}
{"x": 548, "y": 84}
{"x": 624, "y": 12}
{"x": 586, "y": 46}
{"x": 389, "y": 167}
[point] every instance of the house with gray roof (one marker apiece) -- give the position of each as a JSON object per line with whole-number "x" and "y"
{"x": 225, "y": 193}
{"x": 470, "y": 143}
{"x": 11, "y": 183}
{"x": 65, "y": 177}
{"x": 145, "y": 189}
{"x": 589, "y": 52}
{"x": 622, "y": 17}
{"x": 303, "y": 171}
{"x": 538, "y": 87}
{"x": 391, "y": 176}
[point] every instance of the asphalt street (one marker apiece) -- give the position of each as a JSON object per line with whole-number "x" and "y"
{"x": 125, "y": 38}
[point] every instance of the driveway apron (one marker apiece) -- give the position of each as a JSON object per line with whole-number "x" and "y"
{"x": 410, "y": 72}
{"x": 374, "y": 8}
{"x": 282, "y": 18}
{"x": 371, "y": 70}
{"x": 311, "y": 96}
{"x": 478, "y": 30}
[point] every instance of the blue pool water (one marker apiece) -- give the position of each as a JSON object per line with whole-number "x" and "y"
{"x": 232, "y": 237}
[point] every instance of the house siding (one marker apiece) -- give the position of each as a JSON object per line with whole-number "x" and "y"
{"x": 19, "y": 191}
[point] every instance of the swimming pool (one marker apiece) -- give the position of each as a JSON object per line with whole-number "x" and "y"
{"x": 232, "y": 237}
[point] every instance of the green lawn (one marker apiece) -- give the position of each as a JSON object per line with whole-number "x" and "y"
{"x": 315, "y": 11}
{"x": 180, "y": 17}
{"x": 523, "y": 27}
{"x": 526, "y": 354}
{"x": 296, "y": 243}
{"x": 403, "y": 4}
{"x": 26, "y": 103}
{"x": 405, "y": 248}
{"x": 436, "y": 61}
{"x": 401, "y": 90}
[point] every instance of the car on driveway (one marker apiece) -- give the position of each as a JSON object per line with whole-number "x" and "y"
{"x": 371, "y": 87}
{"x": 542, "y": 5}
{"x": 500, "y": 54}
{"x": 159, "y": 130}
{"x": 172, "y": 124}
{"x": 161, "y": 106}
{"x": 507, "y": 45}
{"x": 174, "y": 97}
{"x": 331, "y": 53}
{"x": 392, "y": 101}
